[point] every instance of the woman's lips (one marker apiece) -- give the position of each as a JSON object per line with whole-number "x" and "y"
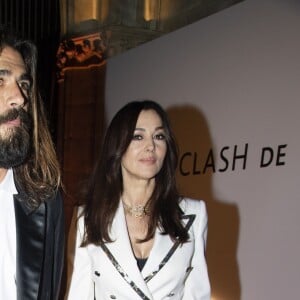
{"x": 149, "y": 160}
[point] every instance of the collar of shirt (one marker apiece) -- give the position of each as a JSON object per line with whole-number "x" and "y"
{"x": 7, "y": 184}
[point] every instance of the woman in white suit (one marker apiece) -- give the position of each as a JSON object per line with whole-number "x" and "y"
{"x": 136, "y": 238}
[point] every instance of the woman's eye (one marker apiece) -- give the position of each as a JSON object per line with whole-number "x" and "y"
{"x": 137, "y": 137}
{"x": 160, "y": 136}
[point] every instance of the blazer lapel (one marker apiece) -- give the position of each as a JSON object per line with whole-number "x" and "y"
{"x": 121, "y": 255}
{"x": 162, "y": 251}
{"x": 162, "y": 244}
{"x": 30, "y": 232}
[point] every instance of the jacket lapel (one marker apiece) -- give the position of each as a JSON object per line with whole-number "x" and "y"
{"x": 121, "y": 255}
{"x": 162, "y": 244}
{"x": 163, "y": 249}
{"x": 30, "y": 233}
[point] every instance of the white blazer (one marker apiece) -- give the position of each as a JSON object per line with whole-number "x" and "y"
{"x": 172, "y": 271}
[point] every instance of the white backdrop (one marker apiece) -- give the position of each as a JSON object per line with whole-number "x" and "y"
{"x": 231, "y": 85}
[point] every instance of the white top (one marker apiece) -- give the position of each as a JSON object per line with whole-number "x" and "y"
{"x": 7, "y": 238}
{"x": 111, "y": 271}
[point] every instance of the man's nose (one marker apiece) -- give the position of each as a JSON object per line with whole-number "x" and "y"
{"x": 15, "y": 97}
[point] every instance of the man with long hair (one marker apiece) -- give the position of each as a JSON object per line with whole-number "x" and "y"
{"x": 31, "y": 207}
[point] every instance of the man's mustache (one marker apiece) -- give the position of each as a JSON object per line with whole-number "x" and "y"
{"x": 13, "y": 114}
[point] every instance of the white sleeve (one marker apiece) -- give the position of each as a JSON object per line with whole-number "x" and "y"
{"x": 80, "y": 285}
{"x": 197, "y": 286}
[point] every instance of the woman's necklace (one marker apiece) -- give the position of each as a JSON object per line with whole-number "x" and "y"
{"x": 137, "y": 211}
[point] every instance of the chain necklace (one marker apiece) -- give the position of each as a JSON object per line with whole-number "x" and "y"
{"x": 137, "y": 211}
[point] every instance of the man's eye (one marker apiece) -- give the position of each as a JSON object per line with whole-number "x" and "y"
{"x": 24, "y": 85}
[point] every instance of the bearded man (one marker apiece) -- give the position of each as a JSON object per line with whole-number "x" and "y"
{"x": 31, "y": 207}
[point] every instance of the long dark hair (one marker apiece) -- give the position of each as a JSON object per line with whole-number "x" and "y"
{"x": 106, "y": 185}
{"x": 39, "y": 176}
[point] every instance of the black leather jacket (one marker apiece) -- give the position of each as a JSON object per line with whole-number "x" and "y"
{"x": 40, "y": 248}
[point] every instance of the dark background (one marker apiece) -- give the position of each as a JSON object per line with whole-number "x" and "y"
{"x": 38, "y": 21}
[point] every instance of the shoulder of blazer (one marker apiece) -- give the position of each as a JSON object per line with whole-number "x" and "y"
{"x": 192, "y": 206}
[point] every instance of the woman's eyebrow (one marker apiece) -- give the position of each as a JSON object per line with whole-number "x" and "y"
{"x": 156, "y": 128}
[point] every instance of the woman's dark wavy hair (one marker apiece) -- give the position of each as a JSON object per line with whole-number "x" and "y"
{"x": 106, "y": 185}
{"x": 39, "y": 176}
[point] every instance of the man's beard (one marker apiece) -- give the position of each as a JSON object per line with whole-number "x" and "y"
{"x": 15, "y": 143}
